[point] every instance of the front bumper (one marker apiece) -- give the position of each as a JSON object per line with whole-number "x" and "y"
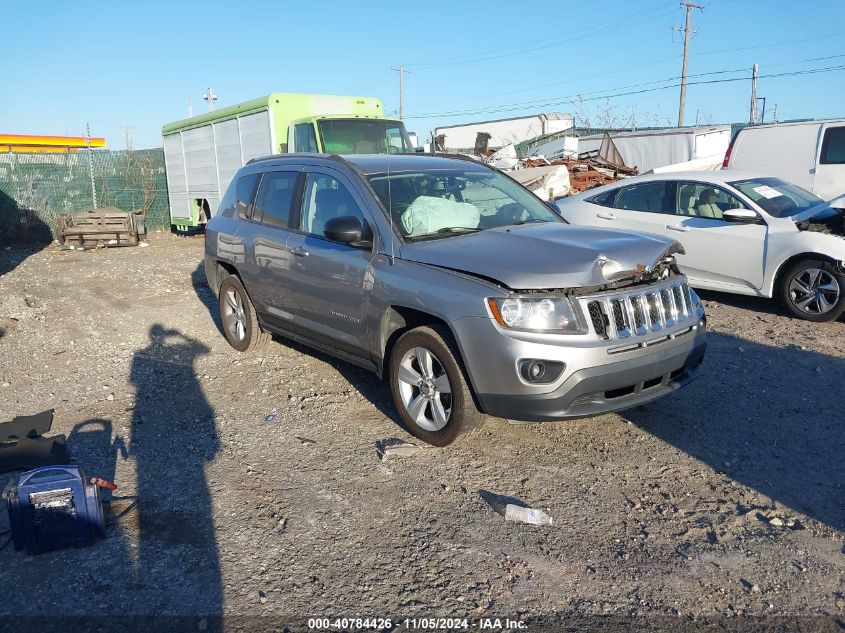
{"x": 604, "y": 388}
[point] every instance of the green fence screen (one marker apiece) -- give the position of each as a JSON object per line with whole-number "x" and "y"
{"x": 36, "y": 188}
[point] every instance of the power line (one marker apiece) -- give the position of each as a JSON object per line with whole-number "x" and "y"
{"x": 512, "y": 51}
{"x": 546, "y": 101}
{"x": 771, "y": 44}
{"x": 560, "y": 100}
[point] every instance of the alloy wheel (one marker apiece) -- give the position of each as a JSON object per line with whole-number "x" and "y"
{"x": 234, "y": 317}
{"x": 814, "y": 291}
{"x": 425, "y": 389}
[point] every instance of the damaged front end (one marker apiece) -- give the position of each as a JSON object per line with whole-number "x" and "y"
{"x": 830, "y": 222}
{"x": 609, "y": 274}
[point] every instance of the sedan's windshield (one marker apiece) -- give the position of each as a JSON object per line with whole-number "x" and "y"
{"x": 441, "y": 203}
{"x": 777, "y": 197}
{"x": 364, "y": 136}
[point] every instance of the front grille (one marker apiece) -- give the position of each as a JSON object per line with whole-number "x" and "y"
{"x": 620, "y": 315}
{"x": 598, "y": 318}
{"x": 638, "y": 313}
{"x": 653, "y": 309}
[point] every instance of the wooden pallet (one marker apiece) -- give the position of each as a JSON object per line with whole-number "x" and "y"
{"x": 100, "y": 225}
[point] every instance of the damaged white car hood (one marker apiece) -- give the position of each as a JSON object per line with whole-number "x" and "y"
{"x": 546, "y": 256}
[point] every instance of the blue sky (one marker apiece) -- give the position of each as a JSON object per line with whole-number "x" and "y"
{"x": 135, "y": 63}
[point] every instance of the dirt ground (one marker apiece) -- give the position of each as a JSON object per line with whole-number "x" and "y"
{"x": 723, "y": 501}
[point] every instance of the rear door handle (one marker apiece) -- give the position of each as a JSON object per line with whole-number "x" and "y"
{"x": 678, "y": 227}
{"x": 299, "y": 251}
{"x": 606, "y": 216}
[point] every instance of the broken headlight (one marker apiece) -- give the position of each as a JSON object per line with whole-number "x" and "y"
{"x": 536, "y": 314}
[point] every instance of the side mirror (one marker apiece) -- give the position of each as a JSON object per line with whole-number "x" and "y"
{"x": 741, "y": 216}
{"x": 347, "y": 229}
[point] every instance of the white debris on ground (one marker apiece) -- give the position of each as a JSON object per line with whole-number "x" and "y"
{"x": 532, "y": 516}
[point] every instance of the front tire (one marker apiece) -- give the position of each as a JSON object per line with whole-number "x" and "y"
{"x": 813, "y": 290}
{"x": 429, "y": 386}
{"x": 237, "y": 314}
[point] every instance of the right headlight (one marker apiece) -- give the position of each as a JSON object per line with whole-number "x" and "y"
{"x": 536, "y": 314}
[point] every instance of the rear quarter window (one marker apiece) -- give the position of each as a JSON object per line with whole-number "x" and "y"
{"x": 239, "y": 197}
{"x": 605, "y": 199}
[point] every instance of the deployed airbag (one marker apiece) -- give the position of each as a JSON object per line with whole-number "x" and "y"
{"x": 428, "y": 214}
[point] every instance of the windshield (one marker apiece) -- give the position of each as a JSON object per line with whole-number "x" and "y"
{"x": 364, "y": 136}
{"x": 777, "y": 197}
{"x": 440, "y": 203}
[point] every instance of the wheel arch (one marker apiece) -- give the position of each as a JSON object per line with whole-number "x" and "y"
{"x": 398, "y": 319}
{"x": 395, "y": 321}
{"x": 221, "y": 269}
{"x": 786, "y": 264}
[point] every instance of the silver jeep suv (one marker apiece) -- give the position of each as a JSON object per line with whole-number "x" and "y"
{"x": 468, "y": 293}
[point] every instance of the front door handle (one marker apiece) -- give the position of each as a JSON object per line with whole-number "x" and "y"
{"x": 606, "y": 216}
{"x": 299, "y": 251}
{"x": 678, "y": 227}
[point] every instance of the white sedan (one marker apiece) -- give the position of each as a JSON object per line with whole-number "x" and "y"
{"x": 742, "y": 233}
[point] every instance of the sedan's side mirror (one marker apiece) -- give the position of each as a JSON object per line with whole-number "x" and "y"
{"x": 741, "y": 216}
{"x": 347, "y": 229}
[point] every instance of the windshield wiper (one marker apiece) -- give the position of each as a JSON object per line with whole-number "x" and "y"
{"x": 446, "y": 230}
{"x": 531, "y": 221}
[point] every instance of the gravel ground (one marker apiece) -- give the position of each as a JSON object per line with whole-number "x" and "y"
{"x": 724, "y": 499}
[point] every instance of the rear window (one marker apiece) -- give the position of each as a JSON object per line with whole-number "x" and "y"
{"x": 833, "y": 146}
{"x": 275, "y": 198}
{"x": 647, "y": 196}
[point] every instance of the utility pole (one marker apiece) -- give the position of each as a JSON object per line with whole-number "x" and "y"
{"x": 401, "y": 70}
{"x": 211, "y": 98}
{"x": 689, "y": 7}
{"x": 127, "y": 131}
{"x": 91, "y": 165}
{"x": 753, "y": 118}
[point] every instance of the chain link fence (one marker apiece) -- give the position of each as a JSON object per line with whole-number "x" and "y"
{"x": 36, "y": 188}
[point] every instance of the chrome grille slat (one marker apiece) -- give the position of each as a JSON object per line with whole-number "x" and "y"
{"x": 636, "y": 314}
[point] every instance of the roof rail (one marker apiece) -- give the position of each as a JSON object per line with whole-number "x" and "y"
{"x": 261, "y": 159}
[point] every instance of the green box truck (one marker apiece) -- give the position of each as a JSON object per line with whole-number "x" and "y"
{"x": 203, "y": 153}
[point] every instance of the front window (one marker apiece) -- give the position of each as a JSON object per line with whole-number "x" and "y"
{"x": 434, "y": 204}
{"x": 326, "y": 198}
{"x": 776, "y": 197}
{"x": 703, "y": 200}
{"x": 305, "y": 139}
{"x": 833, "y": 146}
{"x": 364, "y": 136}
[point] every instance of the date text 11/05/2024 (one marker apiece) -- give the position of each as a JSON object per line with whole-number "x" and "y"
{"x": 418, "y": 624}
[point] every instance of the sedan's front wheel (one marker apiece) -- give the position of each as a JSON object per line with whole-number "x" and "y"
{"x": 429, "y": 386}
{"x": 814, "y": 290}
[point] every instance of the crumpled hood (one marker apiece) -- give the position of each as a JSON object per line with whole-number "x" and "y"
{"x": 821, "y": 211}
{"x": 546, "y": 256}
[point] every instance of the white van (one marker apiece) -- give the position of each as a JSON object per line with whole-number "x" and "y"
{"x": 810, "y": 154}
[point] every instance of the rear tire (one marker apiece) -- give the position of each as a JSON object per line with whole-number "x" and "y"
{"x": 237, "y": 314}
{"x": 429, "y": 386}
{"x": 813, "y": 289}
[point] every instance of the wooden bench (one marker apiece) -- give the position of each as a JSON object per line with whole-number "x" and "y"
{"x": 108, "y": 224}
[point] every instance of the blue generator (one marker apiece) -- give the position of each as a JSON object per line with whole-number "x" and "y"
{"x": 54, "y": 507}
